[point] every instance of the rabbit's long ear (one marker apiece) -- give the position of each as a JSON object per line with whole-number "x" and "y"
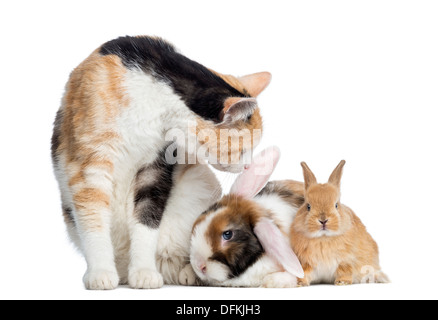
{"x": 336, "y": 176}
{"x": 277, "y": 246}
{"x": 309, "y": 177}
{"x": 257, "y": 175}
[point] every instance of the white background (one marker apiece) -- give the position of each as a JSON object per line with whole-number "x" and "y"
{"x": 354, "y": 80}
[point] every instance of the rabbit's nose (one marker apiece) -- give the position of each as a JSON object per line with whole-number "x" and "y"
{"x": 202, "y": 267}
{"x": 323, "y": 222}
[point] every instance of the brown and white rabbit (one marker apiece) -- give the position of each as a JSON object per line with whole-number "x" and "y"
{"x": 330, "y": 240}
{"x": 242, "y": 241}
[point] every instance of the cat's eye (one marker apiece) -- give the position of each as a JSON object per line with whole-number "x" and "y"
{"x": 227, "y": 235}
{"x": 309, "y": 207}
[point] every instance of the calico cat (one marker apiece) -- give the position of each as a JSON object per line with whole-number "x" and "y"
{"x": 127, "y": 207}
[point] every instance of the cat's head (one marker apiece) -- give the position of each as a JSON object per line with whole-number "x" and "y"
{"x": 228, "y": 142}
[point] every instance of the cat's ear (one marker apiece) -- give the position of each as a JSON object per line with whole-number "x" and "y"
{"x": 256, "y": 83}
{"x": 238, "y": 109}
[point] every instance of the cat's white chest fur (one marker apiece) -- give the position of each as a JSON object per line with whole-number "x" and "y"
{"x": 153, "y": 110}
{"x": 142, "y": 128}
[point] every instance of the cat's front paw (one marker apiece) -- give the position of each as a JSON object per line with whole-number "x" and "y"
{"x": 101, "y": 280}
{"x": 187, "y": 276}
{"x": 280, "y": 280}
{"x": 145, "y": 279}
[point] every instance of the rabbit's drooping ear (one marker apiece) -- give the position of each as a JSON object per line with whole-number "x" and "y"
{"x": 336, "y": 176}
{"x": 277, "y": 246}
{"x": 257, "y": 175}
{"x": 309, "y": 177}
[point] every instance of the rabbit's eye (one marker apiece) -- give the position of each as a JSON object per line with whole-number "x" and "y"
{"x": 227, "y": 235}
{"x": 309, "y": 207}
{"x": 337, "y": 205}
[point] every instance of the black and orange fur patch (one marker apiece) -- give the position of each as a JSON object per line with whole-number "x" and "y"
{"x": 203, "y": 91}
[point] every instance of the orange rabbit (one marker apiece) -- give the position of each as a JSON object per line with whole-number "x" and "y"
{"x": 330, "y": 241}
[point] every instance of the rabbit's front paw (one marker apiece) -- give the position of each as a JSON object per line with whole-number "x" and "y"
{"x": 343, "y": 282}
{"x": 187, "y": 276}
{"x": 303, "y": 282}
{"x": 280, "y": 280}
